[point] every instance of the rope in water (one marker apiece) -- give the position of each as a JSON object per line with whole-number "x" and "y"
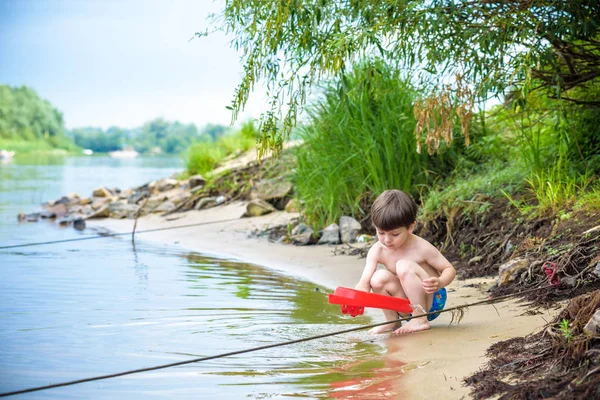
{"x": 195, "y": 360}
{"x": 14, "y": 246}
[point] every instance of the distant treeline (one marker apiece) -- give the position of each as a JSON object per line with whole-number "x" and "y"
{"x": 27, "y": 118}
{"x": 169, "y": 137}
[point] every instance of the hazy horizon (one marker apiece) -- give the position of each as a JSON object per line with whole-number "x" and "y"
{"x": 122, "y": 63}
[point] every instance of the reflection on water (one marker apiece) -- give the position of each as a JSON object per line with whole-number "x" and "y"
{"x": 101, "y": 308}
{"x": 96, "y": 307}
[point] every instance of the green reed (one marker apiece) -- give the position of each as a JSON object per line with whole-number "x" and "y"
{"x": 359, "y": 141}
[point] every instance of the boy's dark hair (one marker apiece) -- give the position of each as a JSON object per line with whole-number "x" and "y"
{"x": 393, "y": 209}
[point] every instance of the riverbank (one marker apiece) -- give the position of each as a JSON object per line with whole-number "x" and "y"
{"x": 435, "y": 361}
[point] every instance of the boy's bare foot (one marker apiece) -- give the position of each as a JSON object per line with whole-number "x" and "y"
{"x": 414, "y": 325}
{"x": 383, "y": 329}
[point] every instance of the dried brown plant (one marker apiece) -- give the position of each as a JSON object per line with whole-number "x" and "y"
{"x": 435, "y": 115}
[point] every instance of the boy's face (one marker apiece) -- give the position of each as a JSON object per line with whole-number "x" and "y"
{"x": 394, "y": 239}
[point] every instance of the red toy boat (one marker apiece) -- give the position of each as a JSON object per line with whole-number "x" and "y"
{"x": 354, "y": 301}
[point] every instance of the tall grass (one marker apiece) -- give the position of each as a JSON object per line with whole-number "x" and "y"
{"x": 559, "y": 158}
{"x": 358, "y": 142}
{"x": 203, "y": 157}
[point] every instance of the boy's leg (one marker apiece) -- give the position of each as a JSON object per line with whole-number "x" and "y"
{"x": 411, "y": 276}
{"x": 386, "y": 283}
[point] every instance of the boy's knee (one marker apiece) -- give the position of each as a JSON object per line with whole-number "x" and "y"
{"x": 379, "y": 279}
{"x": 405, "y": 267}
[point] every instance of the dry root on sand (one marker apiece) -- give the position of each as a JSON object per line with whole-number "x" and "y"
{"x": 561, "y": 362}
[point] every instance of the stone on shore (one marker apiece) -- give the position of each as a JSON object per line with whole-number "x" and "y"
{"x": 330, "y": 235}
{"x": 301, "y": 234}
{"x": 102, "y": 192}
{"x": 508, "y": 271}
{"x": 349, "y": 229}
{"x": 258, "y": 207}
{"x": 196, "y": 181}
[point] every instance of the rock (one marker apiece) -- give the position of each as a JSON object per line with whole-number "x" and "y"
{"x": 68, "y": 199}
{"x": 103, "y": 212}
{"x": 47, "y": 214}
{"x": 258, "y": 207}
{"x": 205, "y": 202}
{"x": 124, "y": 195}
{"x": 166, "y": 184}
{"x": 475, "y": 260}
{"x": 593, "y": 325}
{"x": 85, "y": 201}
{"x": 349, "y": 229}
{"x": 153, "y": 202}
{"x": 135, "y": 197}
{"x": 301, "y": 234}
{"x": 179, "y": 198}
{"x": 330, "y": 235}
{"x": 271, "y": 189}
{"x": 164, "y": 207}
{"x": 508, "y": 248}
{"x": 121, "y": 210}
{"x": 568, "y": 281}
{"x": 102, "y": 192}
{"x": 292, "y": 206}
{"x": 508, "y": 271}
{"x": 597, "y": 269}
{"x": 81, "y": 210}
{"x": 33, "y": 217}
{"x": 59, "y": 210}
{"x": 196, "y": 181}
{"x": 100, "y": 202}
{"x": 79, "y": 224}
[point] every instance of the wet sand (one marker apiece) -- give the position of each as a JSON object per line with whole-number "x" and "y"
{"x": 435, "y": 361}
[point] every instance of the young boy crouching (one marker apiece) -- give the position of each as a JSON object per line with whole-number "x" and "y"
{"x": 414, "y": 268}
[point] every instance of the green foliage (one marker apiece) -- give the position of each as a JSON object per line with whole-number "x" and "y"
{"x": 359, "y": 141}
{"x": 156, "y": 136}
{"x": 203, "y": 157}
{"x": 99, "y": 140}
{"x": 496, "y": 46}
{"x": 28, "y": 122}
{"x": 566, "y": 330}
{"x": 471, "y": 192}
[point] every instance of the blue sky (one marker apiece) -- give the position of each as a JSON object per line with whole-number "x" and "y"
{"x": 122, "y": 62}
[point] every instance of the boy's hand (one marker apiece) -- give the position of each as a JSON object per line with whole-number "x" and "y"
{"x": 364, "y": 288}
{"x": 431, "y": 285}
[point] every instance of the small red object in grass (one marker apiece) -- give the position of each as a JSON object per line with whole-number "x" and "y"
{"x": 550, "y": 269}
{"x": 354, "y": 301}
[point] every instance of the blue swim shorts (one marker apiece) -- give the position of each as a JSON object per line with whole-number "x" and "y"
{"x": 439, "y": 301}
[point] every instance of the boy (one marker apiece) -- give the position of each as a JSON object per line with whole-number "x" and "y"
{"x": 414, "y": 268}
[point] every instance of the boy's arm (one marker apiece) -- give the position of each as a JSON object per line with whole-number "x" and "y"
{"x": 443, "y": 266}
{"x": 364, "y": 283}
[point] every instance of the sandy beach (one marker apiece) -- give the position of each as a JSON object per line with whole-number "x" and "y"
{"x": 435, "y": 361}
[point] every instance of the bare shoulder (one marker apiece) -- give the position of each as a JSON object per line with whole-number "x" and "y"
{"x": 424, "y": 246}
{"x": 374, "y": 252}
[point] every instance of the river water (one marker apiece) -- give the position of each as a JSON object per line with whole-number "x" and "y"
{"x": 75, "y": 310}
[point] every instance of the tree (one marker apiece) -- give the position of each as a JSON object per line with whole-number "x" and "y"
{"x": 26, "y": 116}
{"x": 489, "y": 47}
